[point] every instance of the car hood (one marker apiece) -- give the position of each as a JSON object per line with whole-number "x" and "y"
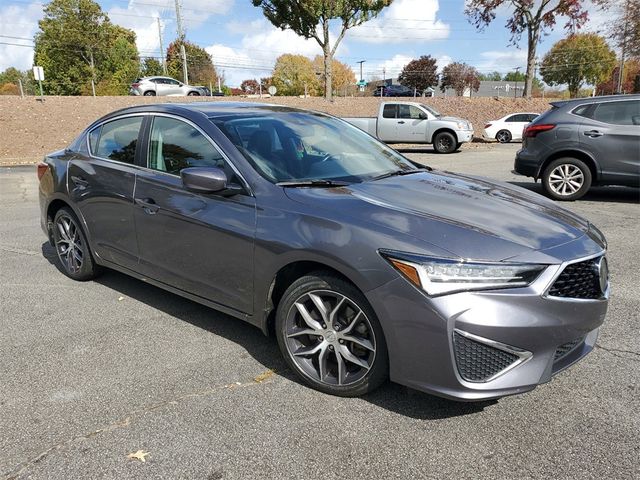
{"x": 468, "y": 216}
{"x": 453, "y": 119}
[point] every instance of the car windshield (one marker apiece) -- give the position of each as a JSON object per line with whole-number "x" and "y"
{"x": 290, "y": 146}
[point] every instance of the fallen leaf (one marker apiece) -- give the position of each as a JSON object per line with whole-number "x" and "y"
{"x": 264, "y": 376}
{"x": 139, "y": 455}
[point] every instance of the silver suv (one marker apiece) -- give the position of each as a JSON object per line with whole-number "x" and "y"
{"x": 163, "y": 86}
{"x": 583, "y": 142}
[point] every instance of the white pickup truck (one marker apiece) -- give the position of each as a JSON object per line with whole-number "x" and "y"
{"x": 412, "y": 122}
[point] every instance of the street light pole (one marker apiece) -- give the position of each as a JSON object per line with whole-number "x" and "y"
{"x": 361, "y": 62}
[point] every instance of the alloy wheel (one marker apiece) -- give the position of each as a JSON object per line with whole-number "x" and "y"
{"x": 566, "y": 179}
{"x": 503, "y": 136}
{"x": 444, "y": 143}
{"x": 329, "y": 338}
{"x": 69, "y": 244}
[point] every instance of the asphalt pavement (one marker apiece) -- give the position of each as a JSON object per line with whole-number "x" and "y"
{"x": 93, "y": 372}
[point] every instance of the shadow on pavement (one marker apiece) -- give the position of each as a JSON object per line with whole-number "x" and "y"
{"x": 595, "y": 194}
{"x": 264, "y": 350}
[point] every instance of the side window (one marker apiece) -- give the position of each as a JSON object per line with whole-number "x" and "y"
{"x": 170, "y": 81}
{"x": 618, "y": 113}
{"x": 532, "y": 117}
{"x": 176, "y": 145}
{"x": 584, "y": 110}
{"x": 513, "y": 118}
{"x": 118, "y": 139}
{"x": 94, "y": 135}
{"x": 409, "y": 111}
{"x": 389, "y": 111}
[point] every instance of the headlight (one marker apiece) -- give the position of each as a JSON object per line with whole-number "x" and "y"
{"x": 438, "y": 276}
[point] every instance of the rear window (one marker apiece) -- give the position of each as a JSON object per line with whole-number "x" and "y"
{"x": 389, "y": 111}
{"x": 118, "y": 139}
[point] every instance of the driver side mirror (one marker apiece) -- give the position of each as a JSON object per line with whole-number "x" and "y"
{"x": 423, "y": 116}
{"x": 204, "y": 179}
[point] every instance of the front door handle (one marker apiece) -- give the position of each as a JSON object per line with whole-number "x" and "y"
{"x": 148, "y": 205}
{"x": 593, "y": 133}
{"x": 401, "y": 122}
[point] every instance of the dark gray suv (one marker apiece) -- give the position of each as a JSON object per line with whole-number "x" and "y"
{"x": 583, "y": 142}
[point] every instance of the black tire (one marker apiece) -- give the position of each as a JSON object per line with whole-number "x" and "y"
{"x": 458, "y": 145}
{"x": 335, "y": 338}
{"x": 566, "y": 179}
{"x": 445, "y": 142}
{"x": 149, "y": 93}
{"x": 193, "y": 94}
{"x": 504, "y": 136}
{"x": 72, "y": 249}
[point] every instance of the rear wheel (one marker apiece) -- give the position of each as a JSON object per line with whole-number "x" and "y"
{"x": 72, "y": 247}
{"x": 445, "y": 142}
{"x": 330, "y": 336}
{"x": 503, "y": 136}
{"x": 566, "y": 179}
{"x": 149, "y": 93}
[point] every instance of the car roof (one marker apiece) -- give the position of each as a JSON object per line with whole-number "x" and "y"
{"x": 604, "y": 98}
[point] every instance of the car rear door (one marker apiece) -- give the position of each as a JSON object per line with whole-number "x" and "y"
{"x": 201, "y": 244}
{"x": 388, "y": 123}
{"x": 101, "y": 185}
{"x": 611, "y": 133}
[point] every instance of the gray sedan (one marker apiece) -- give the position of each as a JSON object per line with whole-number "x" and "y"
{"x": 362, "y": 265}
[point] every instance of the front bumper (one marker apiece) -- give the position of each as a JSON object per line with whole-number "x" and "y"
{"x": 464, "y": 136}
{"x": 420, "y": 334}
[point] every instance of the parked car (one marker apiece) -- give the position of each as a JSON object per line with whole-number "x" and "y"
{"x": 362, "y": 265}
{"x": 164, "y": 86}
{"x": 509, "y": 127}
{"x": 411, "y": 122}
{"x": 393, "y": 91}
{"x": 583, "y": 142}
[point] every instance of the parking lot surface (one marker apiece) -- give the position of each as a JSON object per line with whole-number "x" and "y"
{"x": 93, "y": 372}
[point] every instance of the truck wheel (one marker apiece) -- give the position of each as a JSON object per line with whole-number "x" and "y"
{"x": 566, "y": 179}
{"x": 445, "y": 142}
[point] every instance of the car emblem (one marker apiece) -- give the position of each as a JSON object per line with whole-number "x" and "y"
{"x": 602, "y": 267}
{"x": 331, "y": 337}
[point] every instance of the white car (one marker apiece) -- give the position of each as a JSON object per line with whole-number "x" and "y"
{"x": 508, "y": 128}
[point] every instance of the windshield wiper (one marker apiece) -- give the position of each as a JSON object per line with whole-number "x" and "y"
{"x": 399, "y": 173}
{"x": 313, "y": 183}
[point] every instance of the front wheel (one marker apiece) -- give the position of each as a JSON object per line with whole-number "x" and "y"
{"x": 193, "y": 94}
{"x": 445, "y": 142}
{"x": 566, "y": 179}
{"x": 330, "y": 336}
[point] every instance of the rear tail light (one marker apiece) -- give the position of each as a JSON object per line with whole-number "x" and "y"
{"x": 42, "y": 169}
{"x": 531, "y": 131}
{"x": 487, "y": 125}
{"x": 135, "y": 85}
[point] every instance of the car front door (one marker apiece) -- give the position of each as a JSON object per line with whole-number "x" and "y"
{"x": 101, "y": 184}
{"x": 199, "y": 243}
{"x": 611, "y": 132}
{"x": 412, "y": 124}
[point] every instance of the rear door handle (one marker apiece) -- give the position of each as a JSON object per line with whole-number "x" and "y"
{"x": 148, "y": 205}
{"x": 79, "y": 182}
{"x": 593, "y": 133}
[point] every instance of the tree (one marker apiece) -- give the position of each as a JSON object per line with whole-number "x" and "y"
{"x": 10, "y": 82}
{"x": 624, "y": 26}
{"x": 312, "y": 19}
{"x": 631, "y": 75}
{"x": 293, "y": 74}
{"x": 250, "y": 87}
{"x": 77, "y": 43}
{"x": 460, "y": 76}
{"x": 420, "y": 74}
{"x": 343, "y": 75}
{"x": 200, "y": 67}
{"x": 491, "y": 77}
{"x": 150, "y": 67}
{"x": 530, "y": 16}
{"x": 578, "y": 59}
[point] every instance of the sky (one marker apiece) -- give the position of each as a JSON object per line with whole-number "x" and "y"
{"x": 244, "y": 44}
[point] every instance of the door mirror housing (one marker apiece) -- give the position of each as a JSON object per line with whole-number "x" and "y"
{"x": 204, "y": 179}
{"x": 423, "y": 116}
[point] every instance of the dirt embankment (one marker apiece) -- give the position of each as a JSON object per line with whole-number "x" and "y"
{"x": 29, "y": 128}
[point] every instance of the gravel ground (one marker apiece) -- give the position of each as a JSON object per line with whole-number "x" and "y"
{"x": 47, "y": 126}
{"x": 92, "y": 372}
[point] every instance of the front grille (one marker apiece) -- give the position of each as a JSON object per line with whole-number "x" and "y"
{"x": 578, "y": 280}
{"x": 566, "y": 348}
{"x": 478, "y": 362}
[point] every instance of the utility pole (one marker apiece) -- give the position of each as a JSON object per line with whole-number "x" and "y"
{"x": 183, "y": 52}
{"x": 162, "y": 54}
{"x": 361, "y": 62}
{"x": 515, "y": 90}
{"x": 624, "y": 48}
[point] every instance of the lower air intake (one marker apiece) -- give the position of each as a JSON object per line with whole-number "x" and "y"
{"x": 478, "y": 362}
{"x": 566, "y": 348}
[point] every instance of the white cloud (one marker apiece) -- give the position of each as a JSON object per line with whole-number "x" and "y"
{"x": 388, "y": 68}
{"x": 502, "y": 60}
{"x": 404, "y": 21}
{"x": 21, "y": 22}
{"x": 442, "y": 61}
